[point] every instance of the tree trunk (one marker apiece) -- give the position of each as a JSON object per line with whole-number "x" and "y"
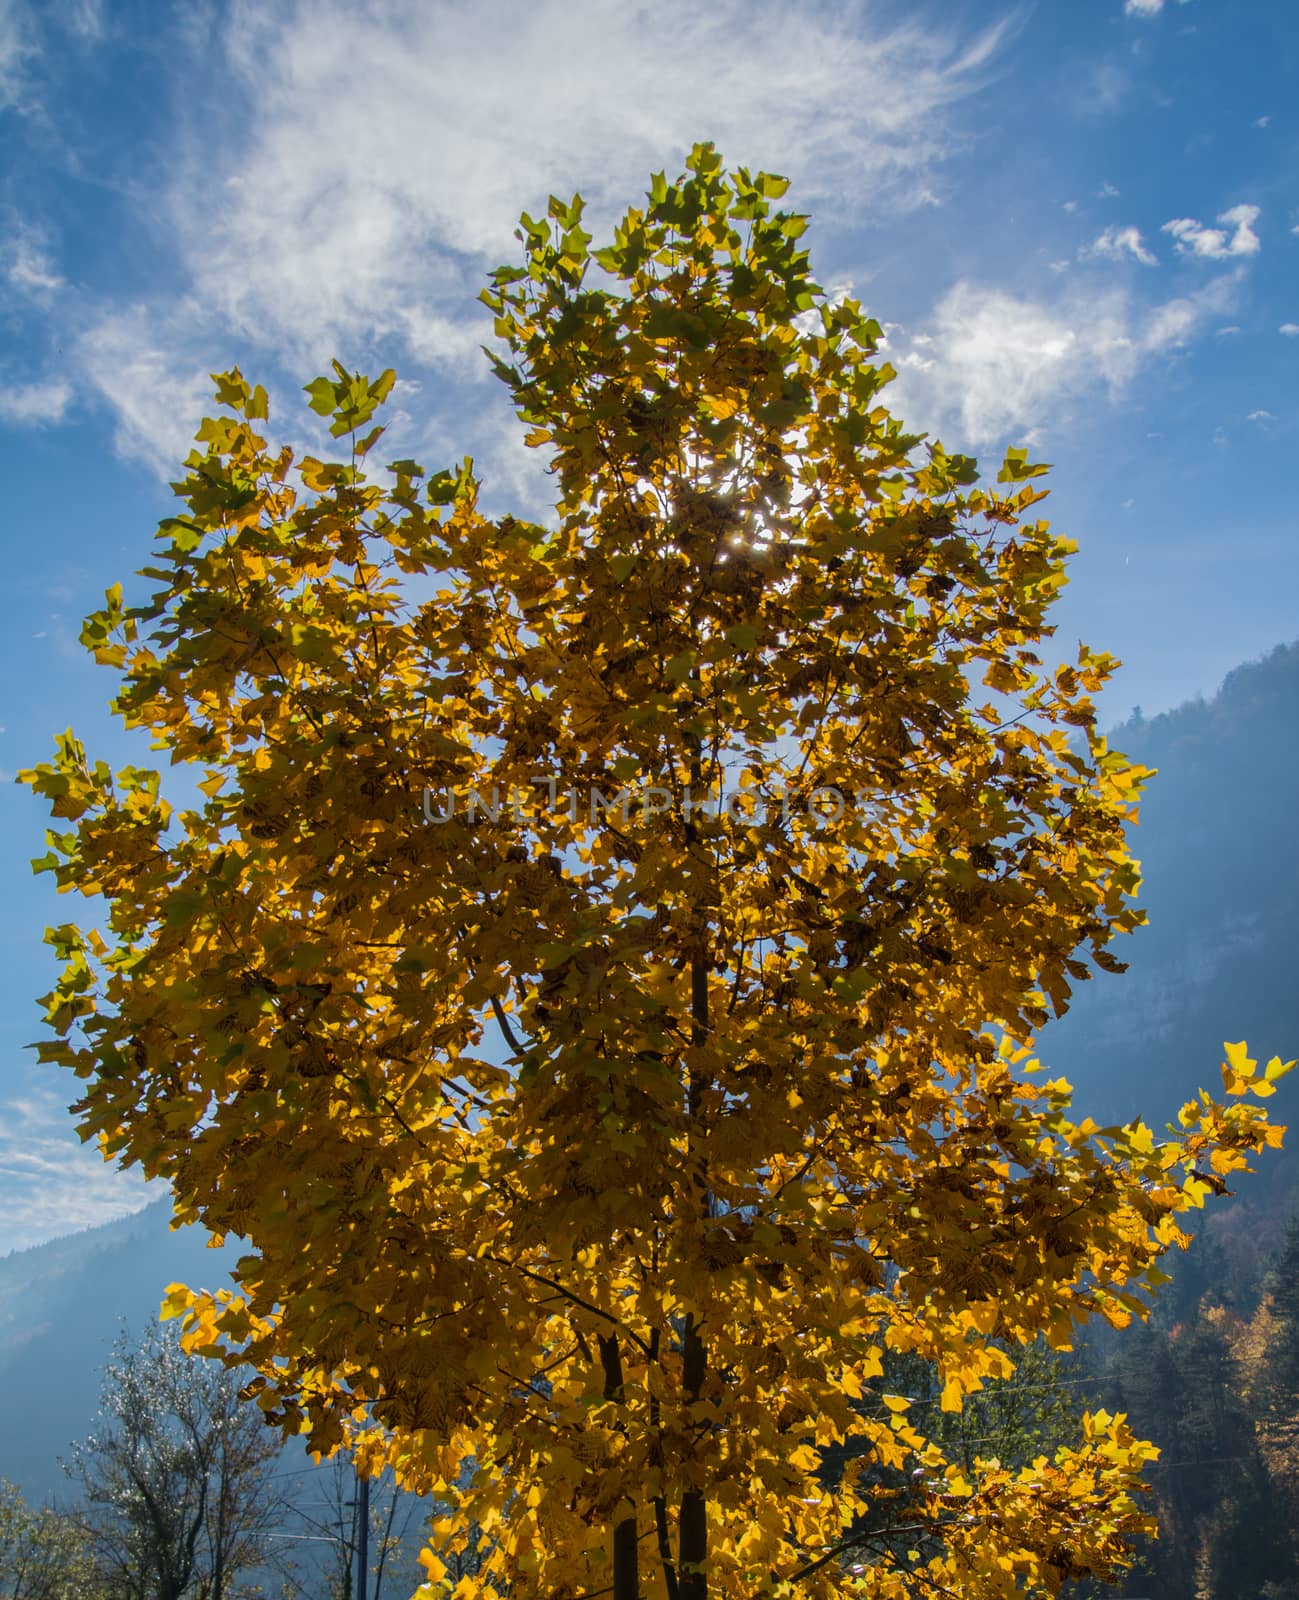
{"x": 626, "y": 1560}
{"x": 362, "y": 1536}
{"x": 693, "y": 1531}
{"x": 692, "y": 1537}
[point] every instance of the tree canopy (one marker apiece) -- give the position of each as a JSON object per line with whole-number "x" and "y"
{"x": 601, "y": 981}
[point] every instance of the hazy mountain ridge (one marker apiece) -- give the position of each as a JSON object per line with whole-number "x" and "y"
{"x": 61, "y": 1306}
{"x": 1220, "y": 864}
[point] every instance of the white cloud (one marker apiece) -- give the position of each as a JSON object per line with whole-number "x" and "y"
{"x": 153, "y": 369}
{"x": 1071, "y": 206}
{"x": 432, "y": 338}
{"x": 50, "y": 1183}
{"x": 15, "y": 47}
{"x": 27, "y": 264}
{"x": 1117, "y": 242}
{"x": 158, "y": 389}
{"x": 29, "y": 405}
{"x": 1260, "y": 416}
{"x": 1217, "y": 244}
{"x": 1102, "y": 88}
{"x": 1107, "y": 191}
{"x": 1003, "y": 364}
{"x": 1262, "y": 122}
{"x": 83, "y": 17}
{"x": 1142, "y": 8}
{"x": 1290, "y": 329}
{"x": 21, "y": 22}
{"x": 1231, "y": 328}
{"x": 308, "y": 228}
{"x": 327, "y": 226}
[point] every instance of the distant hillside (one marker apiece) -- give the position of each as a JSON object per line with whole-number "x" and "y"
{"x": 1218, "y": 842}
{"x": 61, "y": 1306}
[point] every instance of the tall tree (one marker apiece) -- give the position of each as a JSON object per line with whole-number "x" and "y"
{"x": 766, "y": 1109}
{"x": 176, "y": 1480}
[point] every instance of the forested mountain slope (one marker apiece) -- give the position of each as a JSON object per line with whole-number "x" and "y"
{"x": 1219, "y": 848}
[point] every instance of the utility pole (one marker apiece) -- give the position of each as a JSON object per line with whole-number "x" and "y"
{"x": 362, "y": 1535}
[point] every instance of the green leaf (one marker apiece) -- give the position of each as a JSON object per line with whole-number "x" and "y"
{"x": 231, "y": 390}
{"x": 184, "y": 535}
{"x": 704, "y": 159}
{"x": 322, "y": 396}
{"x": 1017, "y": 467}
{"x": 851, "y": 986}
{"x": 678, "y": 669}
{"x": 183, "y": 906}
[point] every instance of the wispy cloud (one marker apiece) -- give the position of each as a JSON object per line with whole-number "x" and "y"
{"x": 25, "y": 259}
{"x": 306, "y": 228}
{"x": 83, "y": 17}
{"x": 1237, "y": 238}
{"x": 52, "y": 1184}
{"x": 159, "y": 388}
{"x": 29, "y": 405}
{"x": 24, "y": 42}
{"x": 1289, "y": 329}
{"x": 1118, "y": 242}
{"x": 16, "y": 47}
{"x": 1142, "y": 8}
{"x": 325, "y": 226}
{"x": 995, "y": 364}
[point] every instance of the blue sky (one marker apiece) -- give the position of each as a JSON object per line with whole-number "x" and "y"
{"x": 1079, "y": 224}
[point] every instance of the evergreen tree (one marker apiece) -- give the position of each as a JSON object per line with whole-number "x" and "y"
{"x": 1281, "y": 1362}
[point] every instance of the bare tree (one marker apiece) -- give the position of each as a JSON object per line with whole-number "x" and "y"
{"x": 334, "y": 1518}
{"x": 178, "y": 1478}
